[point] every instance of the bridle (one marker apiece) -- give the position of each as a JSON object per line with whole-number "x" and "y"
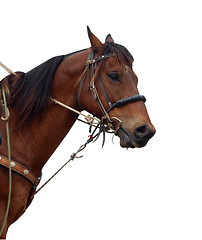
{"x": 92, "y": 68}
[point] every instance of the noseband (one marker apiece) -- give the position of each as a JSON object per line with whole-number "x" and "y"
{"x": 91, "y": 66}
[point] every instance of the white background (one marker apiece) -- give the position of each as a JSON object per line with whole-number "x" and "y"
{"x": 111, "y": 193}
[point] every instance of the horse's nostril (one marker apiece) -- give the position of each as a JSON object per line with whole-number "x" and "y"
{"x": 142, "y": 131}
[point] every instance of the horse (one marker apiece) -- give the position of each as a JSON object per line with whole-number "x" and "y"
{"x": 100, "y": 80}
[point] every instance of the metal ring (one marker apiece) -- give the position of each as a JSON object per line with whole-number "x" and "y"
{"x": 5, "y": 119}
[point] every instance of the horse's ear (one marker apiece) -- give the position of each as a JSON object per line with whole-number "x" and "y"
{"x": 95, "y": 42}
{"x": 109, "y": 39}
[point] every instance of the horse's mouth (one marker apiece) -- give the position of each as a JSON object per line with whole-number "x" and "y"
{"x": 127, "y": 140}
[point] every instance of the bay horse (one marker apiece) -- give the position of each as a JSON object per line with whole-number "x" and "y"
{"x": 100, "y": 80}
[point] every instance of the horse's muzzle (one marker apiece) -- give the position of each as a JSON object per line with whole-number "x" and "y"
{"x": 139, "y": 138}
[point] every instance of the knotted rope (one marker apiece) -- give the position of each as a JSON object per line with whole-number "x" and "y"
{"x": 72, "y": 157}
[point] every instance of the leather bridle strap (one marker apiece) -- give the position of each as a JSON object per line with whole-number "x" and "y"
{"x": 90, "y": 66}
{"x": 93, "y": 61}
{"x": 99, "y": 102}
{"x": 104, "y": 91}
{"x": 127, "y": 100}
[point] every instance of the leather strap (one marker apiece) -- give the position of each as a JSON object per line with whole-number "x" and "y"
{"x": 104, "y": 91}
{"x": 127, "y": 100}
{"x": 20, "y": 169}
{"x": 83, "y": 77}
{"x": 93, "y": 61}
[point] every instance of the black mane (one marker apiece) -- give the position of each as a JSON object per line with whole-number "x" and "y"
{"x": 30, "y": 92}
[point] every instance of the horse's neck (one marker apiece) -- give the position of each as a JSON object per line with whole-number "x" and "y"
{"x": 44, "y": 135}
{"x": 33, "y": 146}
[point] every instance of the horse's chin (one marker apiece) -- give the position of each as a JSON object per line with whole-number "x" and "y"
{"x": 127, "y": 141}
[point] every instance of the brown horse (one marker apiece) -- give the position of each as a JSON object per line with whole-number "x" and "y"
{"x": 99, "y": 80}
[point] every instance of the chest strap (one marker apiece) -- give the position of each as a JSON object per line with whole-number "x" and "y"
{"x": 20, "y": 169}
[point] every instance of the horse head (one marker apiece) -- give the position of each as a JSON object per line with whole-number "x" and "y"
{"x": 111, "y": 92}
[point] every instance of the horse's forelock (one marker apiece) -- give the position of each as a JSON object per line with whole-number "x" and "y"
{"x": 120, "y": 52}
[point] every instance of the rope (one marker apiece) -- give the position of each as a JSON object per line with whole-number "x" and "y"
{"x": 9, "y": 157}
{"x": 7, "y": 69}
{"x": 89, "y": 119}
{"x": 72, "y": 157}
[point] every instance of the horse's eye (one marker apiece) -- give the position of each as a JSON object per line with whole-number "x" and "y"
{"x": 114, "y": 77}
